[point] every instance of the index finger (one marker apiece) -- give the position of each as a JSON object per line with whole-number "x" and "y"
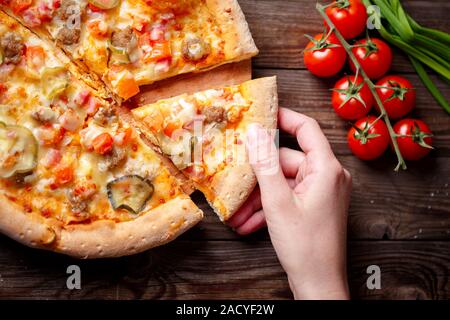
{"x": 308, "y": 133}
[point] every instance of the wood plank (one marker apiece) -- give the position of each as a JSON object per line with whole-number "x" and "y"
{"x": 219, "y": 270}
{"x": 412, "y": 205}
{"x": 279, "y": 27}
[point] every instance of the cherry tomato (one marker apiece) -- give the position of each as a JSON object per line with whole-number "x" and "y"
{"x": 351, "y": 98}
{"x": 349, "y": 17}
{"x": 369, "y": 138}
{"x": 414, "y": 138}
{"x": 324, "y": 57}
{"x": 399, "y": 100}
{"x": 63, "y": 175}
{"x": 103, "y": 143}
{"x": 374, "y": 56}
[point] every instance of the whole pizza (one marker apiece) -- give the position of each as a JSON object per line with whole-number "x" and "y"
{"x": 83, "y": 174}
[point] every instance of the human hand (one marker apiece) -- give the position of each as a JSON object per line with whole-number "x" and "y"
{"x": 303, "y": 197}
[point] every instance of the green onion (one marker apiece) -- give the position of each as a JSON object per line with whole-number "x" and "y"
{"x": 424, "y": 46}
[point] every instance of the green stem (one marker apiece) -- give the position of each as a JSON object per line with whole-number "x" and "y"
{"x": 429, "y": 32}
{"x": 429, "y": 84}
{"x": 433, "y": 45}
{"x": 370, "y": 84}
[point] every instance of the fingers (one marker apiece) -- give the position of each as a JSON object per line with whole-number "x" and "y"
{"x": 290, "y": 161}
{"x": 309, "y": 135}
{"x": 255, "y": 223}
{"x": 264, "y": 159}
{"x": 252, "y": 205}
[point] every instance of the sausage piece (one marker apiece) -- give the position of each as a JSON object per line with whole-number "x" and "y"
{"x": 68, "y": 36}
{"x": 195, "y": 49}
{"x": 122, "y": 38}
{"x": 12, "y": 46}
{"x": 214, "y": 114}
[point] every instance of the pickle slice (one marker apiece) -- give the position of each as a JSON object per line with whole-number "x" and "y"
{"x": 130, "y": 193}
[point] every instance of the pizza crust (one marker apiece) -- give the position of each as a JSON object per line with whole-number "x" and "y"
{"x": 232, "y": 186}
{"x": 106, "y": 239}
{"x": 101, "y": 239}
{"x": 239, "y": 41}
{"x": 27, "y": 228}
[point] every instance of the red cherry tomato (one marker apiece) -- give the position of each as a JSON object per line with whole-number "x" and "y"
{"x": 414, "y": 138}
{"x": 399, "y": 100}
{"x": 349, "y": 17}
{"x": 375, "y": 57}
{"x": 324, "y": 57}
{"x": 369, "y": 138}
{"x": 351, "y": 98}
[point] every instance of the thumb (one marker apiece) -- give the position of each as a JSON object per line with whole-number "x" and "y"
{"x": 264, "y": 159}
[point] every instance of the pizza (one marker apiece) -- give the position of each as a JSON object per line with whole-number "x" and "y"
{"x": 74, "y": 177}
{"x": 129, "y": 43}
{"x": 204, "y": 135}
{"x": 83, "y": 174}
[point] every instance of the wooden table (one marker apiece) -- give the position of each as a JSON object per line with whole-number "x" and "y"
{"x": 398, "y": 221}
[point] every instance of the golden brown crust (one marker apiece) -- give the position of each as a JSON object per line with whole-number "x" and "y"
{"x": 232, "y": 186}
{"x": 101, "y": 239}
{"x": 239, "y": 41}
{"x": 27, "y": 228}
{"x": 108, "y": 239}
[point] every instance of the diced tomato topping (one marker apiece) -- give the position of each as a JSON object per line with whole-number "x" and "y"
{"x": 170, "y": 128}
{"x": 19, "y": 6}
{"x": 56, "y": 4}
{"x": 103, "y": 143}
{"x": 46, "y": 212}
{"x": 98, "y": 27}
{"x": 94, "y": 8}
{"x": 50, "y": 135}
{"x": 126, "y": 86}
{"x": 3, "y": 88}
{"x": 160, "y": 51}
{"x": 27, "y": 207}
{"x": 63, "y": 174}
{"x": 35, "y": 56}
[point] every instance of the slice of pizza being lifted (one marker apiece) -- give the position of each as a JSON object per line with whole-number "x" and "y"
{"x": 204, "y": 135}
{"x": 74, "y": 177}
{"x": 129, "y": 43}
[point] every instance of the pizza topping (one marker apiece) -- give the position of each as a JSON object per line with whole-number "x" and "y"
{"x": 68, "y": 36}
{"x": 214, "y": 114}
{"x": 67, "y": 9}
{"x": 19, "y": 150}
{"x": 49, "y": 135}
{"x": 44, "y": 115}
{"x": 104, "y": 4}
{"x": 12, "y": 47}
{"x": 122, "y": 38}
{"x": 103, "y": 143}
{"x": 98, "y": 27}
{"x": 113, "y": 159}
{"x": 195, "y": 49}
{"x": 118, "y": 55}
{"x": 80, "y": 195}
{"x": 70, "y": 120}
{"x": 63, "y": 175}
{"x": 104, "y": 115}
{"x": 130, "y": 193}
{"x": 51, "y": 159}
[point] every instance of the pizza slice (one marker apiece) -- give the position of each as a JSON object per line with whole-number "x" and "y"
{"x": 204, "y": 135}
{"x": 129, "y": 43}
{"x": 74, "y": 177}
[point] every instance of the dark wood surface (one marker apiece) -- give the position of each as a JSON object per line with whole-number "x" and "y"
{"x": 398, "y": 221}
